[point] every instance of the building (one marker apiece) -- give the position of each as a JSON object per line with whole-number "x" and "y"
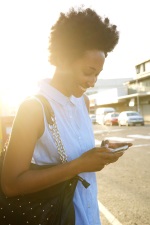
{"x": 124, "y": 94}
{"x": 138, "y": 97}
{"x": 106, "y": 93}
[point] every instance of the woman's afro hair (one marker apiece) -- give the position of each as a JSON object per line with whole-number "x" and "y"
{"x": 78, "y": 31}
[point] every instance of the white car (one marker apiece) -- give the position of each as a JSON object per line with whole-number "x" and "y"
{"x": 130, "y": 118}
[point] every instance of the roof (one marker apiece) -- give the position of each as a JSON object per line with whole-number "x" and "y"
{"x": 134, "y": 95}
{"x": 106, "y": 83}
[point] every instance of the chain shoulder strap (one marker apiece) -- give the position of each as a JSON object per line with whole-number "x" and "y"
{"x": 58, "y": 142}
{"x": 50, "y": 116}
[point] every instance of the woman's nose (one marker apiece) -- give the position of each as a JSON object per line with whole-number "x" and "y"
{"x": 91, "y": 82}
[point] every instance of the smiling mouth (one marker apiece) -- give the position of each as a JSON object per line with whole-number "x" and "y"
{"x": 83, "y": 89}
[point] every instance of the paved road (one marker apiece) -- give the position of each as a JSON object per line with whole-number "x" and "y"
{"x": 124, "y": 187}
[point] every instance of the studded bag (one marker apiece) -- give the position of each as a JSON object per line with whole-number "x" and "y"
{"x": 51, "y": 206}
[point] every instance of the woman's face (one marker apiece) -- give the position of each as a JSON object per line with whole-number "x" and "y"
{"x": 84, "y": 72}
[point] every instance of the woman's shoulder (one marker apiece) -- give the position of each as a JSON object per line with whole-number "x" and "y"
{"x": 30, "y": 105}
{"x": 29, "y": 114}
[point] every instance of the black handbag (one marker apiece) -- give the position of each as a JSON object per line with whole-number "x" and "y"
{"x": 51, "y": 206}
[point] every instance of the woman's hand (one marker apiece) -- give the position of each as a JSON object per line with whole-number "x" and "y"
{"x": 96, "y": 158}
{"x": 109, "y": 144}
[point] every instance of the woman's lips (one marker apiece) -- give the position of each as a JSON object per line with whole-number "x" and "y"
{"x": 82, "y": 88}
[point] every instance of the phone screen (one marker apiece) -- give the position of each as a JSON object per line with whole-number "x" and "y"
{"x": 122, "y": 148}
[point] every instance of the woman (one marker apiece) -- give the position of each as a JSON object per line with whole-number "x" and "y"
{"x": 79, "y": 43}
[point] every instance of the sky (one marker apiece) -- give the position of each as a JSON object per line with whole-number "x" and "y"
{"x": 24, "y": 32}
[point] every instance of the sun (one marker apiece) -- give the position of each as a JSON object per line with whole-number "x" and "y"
{"x": 19, "y": 82}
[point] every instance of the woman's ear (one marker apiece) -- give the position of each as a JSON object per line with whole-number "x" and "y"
{"x": 62, "y": 63}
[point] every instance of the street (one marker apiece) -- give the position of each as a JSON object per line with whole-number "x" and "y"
{"x": 124, "y": 187}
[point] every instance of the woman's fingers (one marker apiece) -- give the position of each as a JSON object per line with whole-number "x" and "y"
{"x": 118, "y": 144}
{"x": 96, "y": 158}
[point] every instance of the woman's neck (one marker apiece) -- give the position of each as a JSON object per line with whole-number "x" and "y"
{"x": 61, "y": 82}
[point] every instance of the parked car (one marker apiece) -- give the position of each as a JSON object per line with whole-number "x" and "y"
{"x": 93, "y": 118}
{"x": 101, "y": 112}
{"x": 111, "y": 118}
{"x": 130, "y": 118}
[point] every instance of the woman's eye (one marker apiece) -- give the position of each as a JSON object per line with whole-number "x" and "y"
{"x": 87, "y": 74}
{"x": 91, "y": 74}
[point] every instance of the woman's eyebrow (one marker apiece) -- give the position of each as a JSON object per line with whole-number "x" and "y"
{"x": 95, "y": 69}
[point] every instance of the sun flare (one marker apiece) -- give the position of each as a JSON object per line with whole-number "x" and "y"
{"x": 24, "y": 42}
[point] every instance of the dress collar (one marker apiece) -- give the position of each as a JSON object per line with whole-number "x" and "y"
{"x": 52, "y": 93}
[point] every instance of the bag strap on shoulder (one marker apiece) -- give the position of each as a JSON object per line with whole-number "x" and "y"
{"x": 47, "y": 109}
{"x": 87, "y": 102}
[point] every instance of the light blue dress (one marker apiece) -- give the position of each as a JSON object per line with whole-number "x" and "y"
{"x": 76, "y": 133}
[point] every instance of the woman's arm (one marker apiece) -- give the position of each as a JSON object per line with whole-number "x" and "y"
{"x": 17, "y": 178}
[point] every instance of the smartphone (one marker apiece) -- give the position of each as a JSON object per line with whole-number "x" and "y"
{"x": 119, "y": 149}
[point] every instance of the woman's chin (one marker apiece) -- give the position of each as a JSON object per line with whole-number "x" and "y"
{"x": 78, "y": 94}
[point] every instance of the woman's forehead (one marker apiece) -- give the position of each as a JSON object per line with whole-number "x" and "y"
{"x": 93, "y": 59}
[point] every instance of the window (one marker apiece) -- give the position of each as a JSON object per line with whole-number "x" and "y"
{"x": 137, "y": 69}
{"x": 147, "y": 66}
{"x": 143, "y": 67}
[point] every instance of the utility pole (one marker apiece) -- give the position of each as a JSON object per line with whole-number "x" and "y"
{"x": 137, "y": 89}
